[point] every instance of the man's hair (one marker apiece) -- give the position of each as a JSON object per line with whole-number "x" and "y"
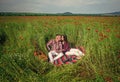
{"x": 58, "y": 34}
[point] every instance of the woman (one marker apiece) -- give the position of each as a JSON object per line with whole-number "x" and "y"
{"x": 65, "y": 44}
{"x": 71, "y": 51}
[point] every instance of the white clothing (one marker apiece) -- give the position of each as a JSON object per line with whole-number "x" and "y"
{"x": 74, "y": 51}
{"x": 58, "y": 55}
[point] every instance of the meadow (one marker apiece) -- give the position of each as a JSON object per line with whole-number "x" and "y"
{"x": 99, "y": 35}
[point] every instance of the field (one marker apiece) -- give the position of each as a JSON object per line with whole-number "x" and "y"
{"x": 99, "y": 35}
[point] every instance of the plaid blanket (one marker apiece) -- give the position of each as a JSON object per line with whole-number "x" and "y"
{"x": 65, "y": 59}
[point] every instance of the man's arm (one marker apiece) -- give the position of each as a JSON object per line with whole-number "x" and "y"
{"x": 49, "y": 45}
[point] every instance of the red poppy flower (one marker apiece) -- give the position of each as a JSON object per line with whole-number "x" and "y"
{"x": 96, "y": 30}
{"x": 101, "y": 34}
{"x": 82, "y": 49}
{"x": 105, "y": 36}
{"x": 35, "y": 53}
{"x": 108, "y": 30}
{"x": 108, "y": 79}
{"x": 118, "y": 36}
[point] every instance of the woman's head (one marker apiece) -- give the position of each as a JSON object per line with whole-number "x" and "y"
{"x": 64, "y": 38}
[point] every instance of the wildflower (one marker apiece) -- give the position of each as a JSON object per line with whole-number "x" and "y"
{"x": 96, "y": 30}
{"x": 35, "y": 53}
{"x": 105, "y": 36}
{"x": 108, "y": 79}
{"x": 108, "y": 30}
{"x": 118, "y": 36}
{"x": 82, "y": 49}
{"x": 101, "y": 34}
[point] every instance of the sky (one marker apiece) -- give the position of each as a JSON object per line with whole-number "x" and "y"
{"x": 60, "y": 6}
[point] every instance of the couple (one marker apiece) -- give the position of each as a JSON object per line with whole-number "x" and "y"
{"x": 59, "y": 46}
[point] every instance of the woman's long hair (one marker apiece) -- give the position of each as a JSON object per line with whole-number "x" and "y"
{"x": 65, "y": 38}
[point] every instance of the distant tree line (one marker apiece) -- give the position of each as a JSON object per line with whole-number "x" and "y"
{"x": 49, "y": 14}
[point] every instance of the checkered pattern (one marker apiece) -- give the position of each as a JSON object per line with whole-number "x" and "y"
{"x": 65, "y": 59}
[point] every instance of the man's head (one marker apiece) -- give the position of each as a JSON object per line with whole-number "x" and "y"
{"x": 58, "y": 37}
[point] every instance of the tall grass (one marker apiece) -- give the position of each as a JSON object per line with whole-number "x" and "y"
{"x": 99, "y": 35}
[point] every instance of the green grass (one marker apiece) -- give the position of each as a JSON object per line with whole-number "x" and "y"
{"x": 101, "y": 62}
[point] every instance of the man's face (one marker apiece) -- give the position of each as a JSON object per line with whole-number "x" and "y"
{"x": 58, "y": 38}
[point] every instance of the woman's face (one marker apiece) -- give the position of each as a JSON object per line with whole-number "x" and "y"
{"x": 62, "y": 38}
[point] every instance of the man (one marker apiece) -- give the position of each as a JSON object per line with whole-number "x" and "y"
{"x": 54, "y": 47}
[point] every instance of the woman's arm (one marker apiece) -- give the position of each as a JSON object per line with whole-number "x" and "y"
{"x": 66, "y": 47}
